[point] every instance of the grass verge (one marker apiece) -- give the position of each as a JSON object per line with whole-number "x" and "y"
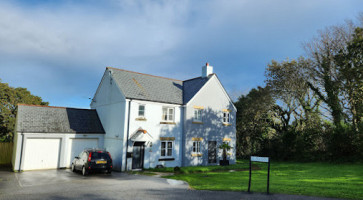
{"x": 312, "y": 179}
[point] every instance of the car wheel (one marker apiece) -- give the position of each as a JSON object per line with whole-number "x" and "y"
{"x": 84, "y": 172}
{"x": 73, "y": 169}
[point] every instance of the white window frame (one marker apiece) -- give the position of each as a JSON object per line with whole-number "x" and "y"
{"x": 196, "y": 147}
{"x": 226, "y": 118}
{"x": 169, "y": 117}
{"x": 166, "y": 148}
{"x": 198, "y": 115}
{"x": 138, "y": 113}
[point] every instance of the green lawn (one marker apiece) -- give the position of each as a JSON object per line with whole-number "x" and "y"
{"x": 314, "y": 179}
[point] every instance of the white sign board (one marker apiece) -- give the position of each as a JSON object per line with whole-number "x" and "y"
{"x": 259, "y": 159}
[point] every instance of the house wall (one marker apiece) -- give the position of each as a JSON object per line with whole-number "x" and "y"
{"x": 213, "y": 98}
{"x": 17, "y": 150}
{"x": 153, "y": 117}
{"x": 65, "y": 145}
{"x": 110, "y": 105}
{"x": 112, "y": 108}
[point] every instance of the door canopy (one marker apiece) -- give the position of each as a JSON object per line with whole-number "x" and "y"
{"x": 141, "y": 135}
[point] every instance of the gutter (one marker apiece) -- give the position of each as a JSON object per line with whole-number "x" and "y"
{"x": 155, "y": 101}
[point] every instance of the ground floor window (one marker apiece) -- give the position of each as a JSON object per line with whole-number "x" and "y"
{"x": 166, "y": 148}
{"x": 196, "y": 147}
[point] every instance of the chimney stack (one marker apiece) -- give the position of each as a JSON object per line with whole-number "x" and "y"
{"x": 207, "y": 70}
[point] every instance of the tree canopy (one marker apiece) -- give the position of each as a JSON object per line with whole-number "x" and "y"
{"x": 10, "y": 97}
{"x": 311, "y": 107}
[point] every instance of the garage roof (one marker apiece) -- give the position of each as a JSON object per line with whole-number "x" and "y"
{"x": 48, "y": 119}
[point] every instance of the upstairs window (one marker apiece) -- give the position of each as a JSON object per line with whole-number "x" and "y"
{"x": 198, "y": 115}
{"x": 141, "y": 110}
{"x": 168, "y": 114}
{"x": 226, "y": 117}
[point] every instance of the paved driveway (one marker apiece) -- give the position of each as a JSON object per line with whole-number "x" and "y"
{"x": 64, "y": 184}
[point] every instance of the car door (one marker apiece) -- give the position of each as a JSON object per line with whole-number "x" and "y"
{"x": 78, "y": 161}
{"x": 83, "y": 160}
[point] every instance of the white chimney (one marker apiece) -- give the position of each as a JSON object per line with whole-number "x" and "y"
{"x": 207, "y": 70}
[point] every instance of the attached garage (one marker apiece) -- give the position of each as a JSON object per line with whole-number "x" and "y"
{"x": 77, "y": 145}
{"x": 50, "y": 137}
{"x": 36, "y": 157}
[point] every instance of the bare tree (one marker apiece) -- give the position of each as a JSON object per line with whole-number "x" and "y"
{"x": 287, "y": 81}
{"x": 323, "y": 72}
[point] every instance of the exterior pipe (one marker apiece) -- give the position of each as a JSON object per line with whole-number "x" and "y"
{"x": 128, "y": 130}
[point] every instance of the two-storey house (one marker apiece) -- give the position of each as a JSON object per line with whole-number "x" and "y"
{"x": 147, "y": 121}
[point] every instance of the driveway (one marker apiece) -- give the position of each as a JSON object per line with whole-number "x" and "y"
{"x": 64, "y": 184}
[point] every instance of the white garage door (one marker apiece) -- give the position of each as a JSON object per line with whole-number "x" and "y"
{"x": 76, "y": 146}
{"x": 41, "y": 154}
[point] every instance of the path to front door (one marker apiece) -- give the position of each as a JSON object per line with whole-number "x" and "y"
{"x": 138, "y": 155}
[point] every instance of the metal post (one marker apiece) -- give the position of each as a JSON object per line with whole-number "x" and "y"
{"x": 268, "y": 177}
{"x": 249, "y": 182}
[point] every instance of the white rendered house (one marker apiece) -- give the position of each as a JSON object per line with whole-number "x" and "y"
{"x": 149, "y": 121}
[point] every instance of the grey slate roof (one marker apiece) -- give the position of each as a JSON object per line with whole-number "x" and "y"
{"x": 147, "y": 87}
{"x": 154, "y": 88}
{"x": 46, "y": 119}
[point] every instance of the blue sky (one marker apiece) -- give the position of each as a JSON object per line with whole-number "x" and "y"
{"x": 59, "y": 49}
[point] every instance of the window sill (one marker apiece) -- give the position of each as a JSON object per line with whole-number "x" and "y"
{"x": 140, "y": 119}
{"x": 166, "y": 159}
{"x": 226, "y": 124}
{"x": 167, "y": 123}
{"x": 196, "y": 122}
{"x": 197, "y": 154}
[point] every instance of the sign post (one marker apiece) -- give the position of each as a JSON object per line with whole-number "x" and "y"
{"x": 249, "y": 181}
{"x": 260, "y": 159}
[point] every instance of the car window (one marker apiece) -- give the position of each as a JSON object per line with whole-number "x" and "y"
{"x": 98, "y": 155}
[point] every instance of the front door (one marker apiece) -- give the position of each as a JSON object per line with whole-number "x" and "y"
{"x": 138, "y": 155}
{"x": 212, "y": 151}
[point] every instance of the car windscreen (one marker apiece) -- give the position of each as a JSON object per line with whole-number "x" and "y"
{"x": 97, "y": 155}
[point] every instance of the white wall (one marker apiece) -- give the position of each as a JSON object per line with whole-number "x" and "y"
{"x": 110, "y": 105}
{"x": 17, "y": 150}
{"x": 153, "y": 116}
{"x": 214, "y": 99}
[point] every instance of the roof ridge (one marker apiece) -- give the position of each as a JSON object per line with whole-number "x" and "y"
{"x": 143, "y": 74}
{"x": 22, "y": 104}
{"x": 210, "y": 75}
{"x": 192, "y": 79}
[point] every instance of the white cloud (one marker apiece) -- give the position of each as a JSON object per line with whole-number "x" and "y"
{"x": 67, "y": 45}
